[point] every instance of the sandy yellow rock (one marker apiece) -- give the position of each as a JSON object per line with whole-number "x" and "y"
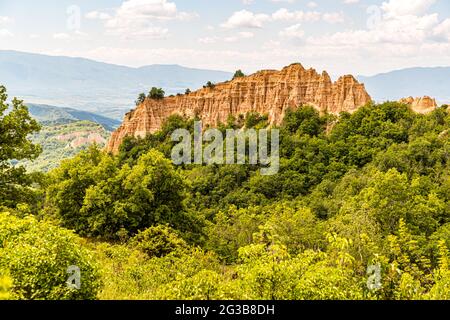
{"x": 268, "y": 92}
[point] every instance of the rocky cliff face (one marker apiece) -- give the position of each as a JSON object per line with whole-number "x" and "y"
{"x": 422, "y": 105}
{"x": 268, "y": 92}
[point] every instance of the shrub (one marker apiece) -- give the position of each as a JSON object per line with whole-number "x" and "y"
{"x": 38, "y": 256}
{"x": 238, "y": 74}
{"x": 141, "y": 98}
{"x": 210, "y": 85}
{"x": 5, "y": 287}
{"x": 156, "y": 93}
{"x": 158, "y": 241}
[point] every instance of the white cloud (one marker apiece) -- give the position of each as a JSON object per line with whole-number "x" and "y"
{"x": 395, "y": 8}
{"x": 246, "y": 19}
{"x": 288, "y": 1}
{"x": 402, "y": 30}
{"x": 409, "y": 38}
{"x": 239, "y": 36}
{"x": 333, "y": 17}
{"x": 79, "y": 33}
{"x": 5, "y": 33}
{"x": 135, "y": 18}
{"x": 312, "y": 5}
{"x": 134, "y": 30}
{"x": 271, "y": 45}
{"x": 96, "y": 15}
{"x": 61, "y": 36}
{"x": 402, "y": 22}
{"x": 293, "y": 32}
{"x": 158, "y": 9}
{"x": 66, "y": 36}
{"x": 351, "y": 1}
{"x": 154, "y": 9}
{"x": 208, "y": 40}
{"x": 6, "y": 20}
{"x": 442, "y": 31}
{"x": 234, "y": 38}
{"x": 284, "y": 14}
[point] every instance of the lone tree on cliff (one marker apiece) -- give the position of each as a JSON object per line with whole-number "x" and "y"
{"x": 188, "y": 91}
{"x": 238, "y": 74}
{"x": 156, "y": 93}
{"x": 140, "y": 99}
{"x": 210, "y": 85}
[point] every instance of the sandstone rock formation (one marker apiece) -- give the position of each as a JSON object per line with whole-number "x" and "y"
{"x": 268, "y": 92}
{"x": 422, "y": 105}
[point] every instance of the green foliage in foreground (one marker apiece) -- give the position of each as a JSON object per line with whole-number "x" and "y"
{"x": 373, "y": 191}
{"x": 268, "y": 271}
{"x": 370, "y": 190}
{"x": 5, "y": 286}
{"x": 38, "y": 255}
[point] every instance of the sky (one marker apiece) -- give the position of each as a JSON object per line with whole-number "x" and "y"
{"x": 361, "y": 37}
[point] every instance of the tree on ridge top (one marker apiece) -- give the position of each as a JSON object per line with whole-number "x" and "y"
{"x": 156, "y": 93}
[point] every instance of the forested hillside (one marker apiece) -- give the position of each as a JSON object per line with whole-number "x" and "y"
{"x": 368, "y": 190}
{"x": 51, "y": 115}
{"x": 64, "y": 133}
{"x": 64, "y": 141}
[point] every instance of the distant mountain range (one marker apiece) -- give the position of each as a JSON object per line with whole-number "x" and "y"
{"x": 51, "y": 115}
{"x": 94, "y": 86}
{"x": 110, "y": 90}
{"x": 417, "y": 82}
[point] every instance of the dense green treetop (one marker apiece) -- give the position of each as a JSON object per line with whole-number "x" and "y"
{"x": 16, "y": 125}
{"x": 156, "y": 93}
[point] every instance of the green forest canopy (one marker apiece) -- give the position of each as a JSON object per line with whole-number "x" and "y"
{"x": 372, "y": 191}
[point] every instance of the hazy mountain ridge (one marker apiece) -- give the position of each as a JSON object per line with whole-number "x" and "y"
{"x": 64, "y": 133}
{"x": 417, "y": 82}
{"x": 90, "y": 85}
{"x": 111, "y": 90}
{"x": 51, "y": 115}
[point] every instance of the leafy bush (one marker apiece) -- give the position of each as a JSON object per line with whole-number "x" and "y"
{"x": 96, "y": 198}
{"x": 238, "y": 74}
{"x": 158, "y": 241}
{"x": 141, "y": 98}
{"x": 210, "y": 85}
{"x": 38, "y": 255}
{"x": 156, "y": 93}
{"x": 5, "y": 286}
